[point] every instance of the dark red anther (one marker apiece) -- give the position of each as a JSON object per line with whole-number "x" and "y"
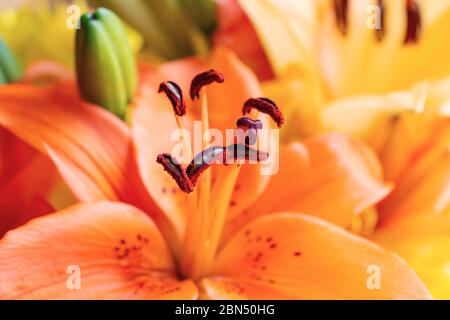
{"x": 203, "y": 160}
{"x": 175, "y": 95}
{"x": 223, "y": 156}
{"x": 380, "y": 31}
{"x": 204, "y": 79}
{"x": 247, "y": 123}
{"x": 176, "y": 171}
{"x": 341, "y": 14}
{"x": 266, "y": 106}
{"x": 247, "y": 131}
{"x": 414, "y": 22}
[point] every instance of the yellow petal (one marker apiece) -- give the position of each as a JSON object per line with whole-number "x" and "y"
{"x": 286, "y": 28}
{"x": 357, "y": 63}
{"x": 424, "y": 242}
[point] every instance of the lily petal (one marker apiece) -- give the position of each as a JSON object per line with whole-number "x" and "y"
{"x": 424, "y": 182}
{"x": 236, "y": 32}
{"x": 29, "y": 189}
{"x": 333, "y": 177}
{"x": 363, "y": 116}
{"x": 292, "y": 256}
{"x": 424, "y": 242}
{"x": 91, "y": 148}
{"x": 287, "y": 29}
{"x": 14, "y": 156}
{"x": 225, "y": 101}
{"x": 115, "y": 249}
{"x": 48, "y": 121}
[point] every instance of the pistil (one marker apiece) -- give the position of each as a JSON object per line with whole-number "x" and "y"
{"x": 196, "y": 231}
{"x": 195, "y": 240}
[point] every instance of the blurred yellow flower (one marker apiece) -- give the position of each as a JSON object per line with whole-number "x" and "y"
{"x": 307, "y": 47}
{"x": 37, "y": 30}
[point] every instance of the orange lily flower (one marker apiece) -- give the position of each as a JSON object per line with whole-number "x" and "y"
{"x": 163, "y": 243}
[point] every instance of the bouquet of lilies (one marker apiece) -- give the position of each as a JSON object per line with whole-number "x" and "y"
{"x": 225, "y": 149}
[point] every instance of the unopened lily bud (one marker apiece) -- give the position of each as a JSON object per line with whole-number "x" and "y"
{"x": 106, "y": 68}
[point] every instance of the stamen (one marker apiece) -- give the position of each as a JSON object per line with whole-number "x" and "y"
{"x": 204, "y": 79}
{"x": 222, "y": 155}
{"x": 341, "y": 13}
{"x": 176, "y": 171}
{"x": 414, "y": 24}
{"x": 175, "y": 95}
{"x": 379, "y": 32}
{"x": 266, "y": 106}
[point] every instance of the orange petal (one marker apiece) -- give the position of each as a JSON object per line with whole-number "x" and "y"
{"x": 333, "y": 177}
{"x": 236, "y": 32}
{"x": 48, "y": 121}
{"x": 423, "y": 184}
{"x": 424, "y": 242}
{"x": 22, "y": 199}
{"x": 90, "y": 147}
{"x": 429, "y": 194}
{"x": 225, "y": 101}
{"x": 116, "y": 249}
{"x": 407, "y": 133}
{"x": 14, "y": 156}
{"x": 293, "y": 256}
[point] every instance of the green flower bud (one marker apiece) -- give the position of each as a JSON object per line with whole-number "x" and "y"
{"x": 106, "y": 68}
{"x": 10, "y": 70}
